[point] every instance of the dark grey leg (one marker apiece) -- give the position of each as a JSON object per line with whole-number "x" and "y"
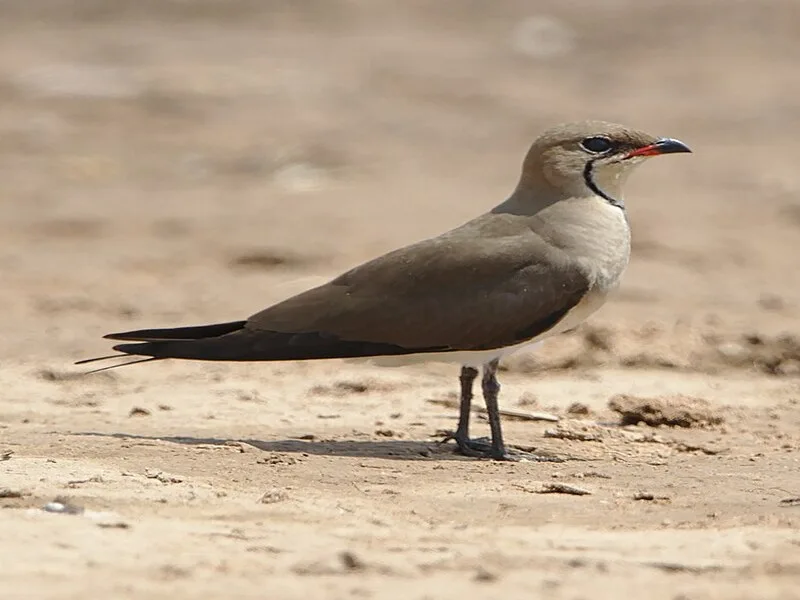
{"x": 483, "y": 447}
{"x": 491, "y": 390}
{"x": 461, "y": 435}
{"x": 467, "y": 378}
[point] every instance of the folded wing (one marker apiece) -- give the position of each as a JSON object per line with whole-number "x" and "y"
{"x": 444, "y": 294}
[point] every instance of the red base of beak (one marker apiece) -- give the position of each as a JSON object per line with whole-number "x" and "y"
{"x": 662, "y": 146}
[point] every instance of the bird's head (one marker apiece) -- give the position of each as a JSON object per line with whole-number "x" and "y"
{"x": 591, "y": 157}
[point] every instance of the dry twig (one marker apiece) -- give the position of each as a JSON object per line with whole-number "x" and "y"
{"x": 509, "y": 414}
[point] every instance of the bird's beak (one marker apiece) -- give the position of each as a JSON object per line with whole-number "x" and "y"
{"x": 662, "y": 146}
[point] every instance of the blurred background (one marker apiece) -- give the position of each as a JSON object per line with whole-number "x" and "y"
{"x": 168, "y": 162}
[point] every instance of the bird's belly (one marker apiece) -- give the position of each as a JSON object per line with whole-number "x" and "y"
{"x": 469, "y": 358}
{"x": 588, "y": 305}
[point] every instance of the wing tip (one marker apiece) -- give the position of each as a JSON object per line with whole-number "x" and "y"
{"x": 195, "y": 332}
{"x": 114, "y": 336}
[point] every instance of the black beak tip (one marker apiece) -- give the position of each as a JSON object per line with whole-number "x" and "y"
{"x": 671, "y": 146}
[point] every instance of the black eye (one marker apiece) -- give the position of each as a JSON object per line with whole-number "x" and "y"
{"x": 596, "y": 145}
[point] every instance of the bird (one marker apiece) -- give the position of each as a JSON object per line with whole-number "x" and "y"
{"x": 537, "y": 264}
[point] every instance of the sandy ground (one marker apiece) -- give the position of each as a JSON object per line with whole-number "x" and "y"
{"x": 168, "y": 163}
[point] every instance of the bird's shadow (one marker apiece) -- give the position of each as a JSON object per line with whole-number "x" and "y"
{"x": 389, "y": 449}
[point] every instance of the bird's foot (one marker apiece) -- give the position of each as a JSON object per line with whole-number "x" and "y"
{"x": 483, "y": 448}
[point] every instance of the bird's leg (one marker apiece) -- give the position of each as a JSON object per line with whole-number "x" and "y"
{"x": 467, "y": 378}
{"x": 483, "y": 447}
{"x": 461, "y": 435}
{"x": 491, "y": 390}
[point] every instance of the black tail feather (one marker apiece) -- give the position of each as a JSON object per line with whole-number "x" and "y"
{"x": 96, "y": 359}
{"x": 158, "y": 337}
{"x": 125, "y": 364}
{"x": 234, "y": 342}
{"x": 253, "y": 345}
{"x": 178, "y": 333}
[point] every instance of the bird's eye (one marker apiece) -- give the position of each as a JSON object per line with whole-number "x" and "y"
{"x": 596, "y": 145}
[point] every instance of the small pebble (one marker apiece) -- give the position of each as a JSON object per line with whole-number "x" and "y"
{"x": 273, "y": 496}
{"x": 62, "y": 506}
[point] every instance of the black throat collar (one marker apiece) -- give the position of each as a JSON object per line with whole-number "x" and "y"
{"x": 589, "y": 180}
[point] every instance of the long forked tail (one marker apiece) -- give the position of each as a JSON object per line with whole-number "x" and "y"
{"x": 154, "y": 339}
{"x": 236, "y": 342}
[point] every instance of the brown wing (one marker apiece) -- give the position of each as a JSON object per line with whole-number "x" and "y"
{"x": 455, "y": 292}
{"x": 447, "y": 293}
